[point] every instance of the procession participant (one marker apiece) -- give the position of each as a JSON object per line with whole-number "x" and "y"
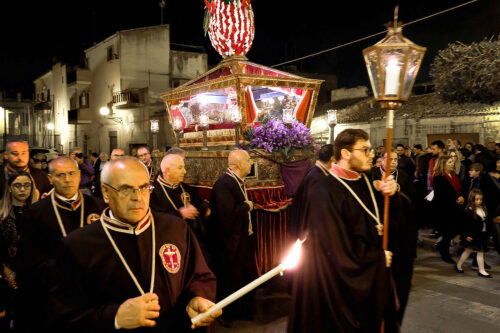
{"x": 86, "y": 170}
{"x": 45, "y": 224}
{"x": 403, "y": 182}
{"x": 17, "y": 157}
{"x": 343, "y": 284}
{"x": 230, "y": 235}
{"x": 145, "y": 268}
{"x": 316, "y": 173}
{"x": 171, "y": 195}
{"x": 116, "y": 154}
{"x": 145, "y": 157}
{"x": 177, "y": 151}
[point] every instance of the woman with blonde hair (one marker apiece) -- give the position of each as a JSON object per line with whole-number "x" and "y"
{"x": 448, "y": 202}
{"x": 458, "y": 167}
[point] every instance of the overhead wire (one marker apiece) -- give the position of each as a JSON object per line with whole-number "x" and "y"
{"x": 373, "y": 35}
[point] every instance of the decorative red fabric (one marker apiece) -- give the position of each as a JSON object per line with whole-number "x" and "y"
{"x": 250, "y": 104}
{"x": 304, "y": 105}
{"x": 455, "y": 182}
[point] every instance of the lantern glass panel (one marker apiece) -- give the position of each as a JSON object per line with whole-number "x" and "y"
{"x": 391, "y": 63}
{"x": 371, "y": 60}
{"x": 412, "y": 67}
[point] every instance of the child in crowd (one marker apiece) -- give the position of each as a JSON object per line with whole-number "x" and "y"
{"x": 476, "y": 233}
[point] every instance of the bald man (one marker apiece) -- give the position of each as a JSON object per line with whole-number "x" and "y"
{"x": 45, "y": 225}
{"x": 133, "y": 269}
{"x": 16, "y": 158}
{"x": 116, "y": 154}
{"x": 230, "y": 235}
{"x": 171, "y": 195}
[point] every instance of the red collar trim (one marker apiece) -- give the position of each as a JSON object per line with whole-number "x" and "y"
{"x": 232, "y": 173}
{"x": 10, "y": 170}
{"x": 162, "y": 181}
{"x": 345, "y": 173}
{"x": 117, "y": 225}
{"x": 71, "y": 206}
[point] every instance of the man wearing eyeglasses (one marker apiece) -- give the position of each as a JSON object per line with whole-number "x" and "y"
{"x": 16, "y": 159}
{"x": 87, "y": 171}
{"x": 343, "y": 282}
{"x": 45, "y": 224}
{"x": 134, "y": 268}
{"x": 116, "y": 154}
{"x": 145, "y": 157}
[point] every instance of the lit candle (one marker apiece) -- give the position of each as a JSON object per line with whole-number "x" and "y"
{"x": 291, "y": 261}
{"x": 177, "y": 124}
{"x": 288, "y": 116}
{"x": 392, "y": 77}
{"x": 235, "y": 115}
{"x": 332, "y": 116}
{"x": 204, "y": 120}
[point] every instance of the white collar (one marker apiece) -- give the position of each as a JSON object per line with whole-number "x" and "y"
{"x": 66, "y": 199}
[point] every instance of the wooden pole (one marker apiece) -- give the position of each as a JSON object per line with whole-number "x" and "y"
{"x": 388, "y": 150}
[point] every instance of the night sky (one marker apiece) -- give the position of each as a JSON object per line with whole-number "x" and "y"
{"x": 35, "y": 33}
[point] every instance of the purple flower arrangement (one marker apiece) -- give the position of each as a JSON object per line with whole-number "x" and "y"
{"x": 275, "y": 136}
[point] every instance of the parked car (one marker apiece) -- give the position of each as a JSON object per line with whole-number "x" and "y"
{"x": 50, "y": 153}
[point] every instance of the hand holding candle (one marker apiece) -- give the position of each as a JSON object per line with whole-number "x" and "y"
{"x": 291, "y": 261}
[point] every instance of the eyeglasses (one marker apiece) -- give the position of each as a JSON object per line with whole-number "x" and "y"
{"x": 366, "y": 150}
{"x": 117, "y": 155}
{"x": 142, "y": 155}
{"x": 128, "y": 190}
{"x": 18, "y": 186}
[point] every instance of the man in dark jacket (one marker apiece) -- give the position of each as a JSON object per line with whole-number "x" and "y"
{"x": 16, "y": 159}
{"x": 87, "y": 171}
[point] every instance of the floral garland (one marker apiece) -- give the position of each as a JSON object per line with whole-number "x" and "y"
{"x": 275, "y": 136}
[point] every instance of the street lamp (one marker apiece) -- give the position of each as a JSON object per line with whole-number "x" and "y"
{"x": 155, "y": 128}
{"x": 204, "y": 127}
{"x": 392, "y": 65}
{"x": 177, "y": 130}
{"x": 104, "y": 111}
{"x": 236, "y": 119}
{"x": 332, "y": 121}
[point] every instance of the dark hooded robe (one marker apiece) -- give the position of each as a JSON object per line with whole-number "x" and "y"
{"x": 95, "y": 281}
{"x": 341, "y": 283}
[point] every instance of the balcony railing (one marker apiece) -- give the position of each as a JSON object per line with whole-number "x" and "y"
{"x": 129, "y": 99}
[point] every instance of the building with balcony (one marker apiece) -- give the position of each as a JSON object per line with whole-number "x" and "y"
{"x": 125, "y": 73}
{"x": 15, "y": 119}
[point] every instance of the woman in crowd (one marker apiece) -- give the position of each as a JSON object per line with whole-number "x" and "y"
{"x": 458, "y": 167}
{"x": 448, "y": 202}
{"x": 20, "y": 196}
{"x": 475, "y": 231}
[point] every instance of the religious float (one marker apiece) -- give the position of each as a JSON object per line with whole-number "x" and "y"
{"x": 242, "y": 104}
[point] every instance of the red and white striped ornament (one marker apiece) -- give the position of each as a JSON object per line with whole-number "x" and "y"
{"x": 231, "y": 28}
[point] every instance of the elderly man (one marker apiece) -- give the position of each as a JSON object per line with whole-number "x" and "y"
{"x": 87, "y": 171}
{"x": 133, "y": 268}
{"x": 145, "y": 157}
{"x": 16, "y": 159}
{"x": 171, "y": 195}
{"x": 116, "y": 154}
{"x": 230, "y": 235}
{"x": 45, "y": 224}
{"x": 343, "y": 284}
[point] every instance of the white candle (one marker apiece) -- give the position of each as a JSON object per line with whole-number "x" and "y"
{"x": 236, "y": 115}
{"x": 177, "y": 124}
{"x": 392, "y": 77}
{"x": 204, "y": 120}
{"x": 290, "y": 261}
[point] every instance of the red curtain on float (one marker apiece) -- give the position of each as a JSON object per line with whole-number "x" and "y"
{"x": 301, "y": 113}
{"x": 250, "y": 104}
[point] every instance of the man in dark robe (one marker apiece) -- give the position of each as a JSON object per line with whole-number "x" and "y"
{"x": 132, "y": 269}
{"x": 171, "y": 195}
{"x": 342, "y": 283}
{"x": 230, "y": 235}
{"x": 45, "y": 224}
{"x": 144, "y": 156}
{"x": 17, "y": 158}
{"x": 404, "y": 183}
{"x": 317, "y": 172}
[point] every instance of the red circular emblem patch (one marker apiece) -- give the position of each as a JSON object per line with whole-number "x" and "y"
{"x": 171, "y": 258}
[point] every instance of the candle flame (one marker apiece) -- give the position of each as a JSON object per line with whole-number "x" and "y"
{"x": 393, "y": 63}
{"x": 293, "y": 258}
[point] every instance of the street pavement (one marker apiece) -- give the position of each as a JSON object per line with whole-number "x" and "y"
{"x": 441, "y": 300}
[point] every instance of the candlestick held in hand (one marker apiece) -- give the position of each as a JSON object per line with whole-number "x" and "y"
{"x": 291, "y": 261}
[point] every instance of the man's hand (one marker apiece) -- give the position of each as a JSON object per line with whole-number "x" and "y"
{"x": 460, "y": 200}
{"x": 44, "y": 195}
{"x": 388, "y": 258}
{"x": 139, "y": 311}
{"x": 496, "y": 219}
{"x": 199, "y": 305}
{"x": 250, "y": 204}
{"x": 388, "y": 186}
{"x": 469, "y": 239}
{"x": 189, "y": 212}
